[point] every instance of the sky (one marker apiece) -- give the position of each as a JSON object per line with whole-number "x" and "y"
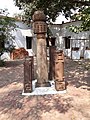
{"x": 9, "y": 4}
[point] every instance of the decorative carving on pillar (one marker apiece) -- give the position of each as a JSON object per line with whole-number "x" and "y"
{"x": 28, "y": 74}
{"x": 59, "y": 71}
{"x": 40, "y": 28}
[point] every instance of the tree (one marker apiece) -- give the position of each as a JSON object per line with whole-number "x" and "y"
{"x": 52, "y": 8}
{"x": 84, "y": 16}
{"x": 7, "y": 24}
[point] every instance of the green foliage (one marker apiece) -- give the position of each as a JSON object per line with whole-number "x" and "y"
{"x": 7, "y": 24}
{"x": 84, "y": 16}
{"x": 52, "y": 8}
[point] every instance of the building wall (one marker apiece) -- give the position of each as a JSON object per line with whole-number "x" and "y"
{"x": 20, "y": 34}
{"x": 60, "y": 31}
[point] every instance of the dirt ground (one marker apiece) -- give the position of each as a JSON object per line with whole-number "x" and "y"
{"x": 72, "y": 105}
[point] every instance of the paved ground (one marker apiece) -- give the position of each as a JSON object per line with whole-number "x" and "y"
{"x": 73, "y": 105}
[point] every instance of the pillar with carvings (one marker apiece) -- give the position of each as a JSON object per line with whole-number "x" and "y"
{"x": 59, "y": 70}
{"x": 40, "y": 29}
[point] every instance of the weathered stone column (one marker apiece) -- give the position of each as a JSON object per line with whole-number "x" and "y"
{"x": 52, "y": 50}
{"x": 28, "y": 74}
{"x": 89, "y": 41}
{"x": 59, "y": 71}
{"x": 40, "y": 29}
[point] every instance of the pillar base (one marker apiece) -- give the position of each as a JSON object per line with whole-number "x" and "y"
{"x": 59, "y": 86}
{"x": 46, "y": 84}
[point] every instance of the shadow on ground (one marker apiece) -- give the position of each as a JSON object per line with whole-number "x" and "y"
{"x": 73, "y": 105}
{"x": 11, "y": 72}
{"x": 77, "y": 73}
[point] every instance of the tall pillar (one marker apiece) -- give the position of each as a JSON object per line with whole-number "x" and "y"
{"x": 28, "y": 74}
{"x": 40, "y": 29}
{"x": 89, "y": 41}
{"x": 59, "y": 71}
{"x": 52, "y": 50}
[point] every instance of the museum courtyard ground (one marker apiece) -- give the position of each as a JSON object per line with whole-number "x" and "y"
{"x": 72, "y": 105}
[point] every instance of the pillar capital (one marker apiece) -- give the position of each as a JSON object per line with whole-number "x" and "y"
{"x": 39, "y": 22}
{"x": 39, "y": 16}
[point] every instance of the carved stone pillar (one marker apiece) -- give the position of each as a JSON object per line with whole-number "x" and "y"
{"x": 28, "y": 74}
{"x": 40, "y": 29}
{"x": 59, "y": 71}
{"x": 52, "y": 50}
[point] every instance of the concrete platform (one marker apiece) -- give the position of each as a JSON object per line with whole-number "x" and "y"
{"x": 44, "y": 90}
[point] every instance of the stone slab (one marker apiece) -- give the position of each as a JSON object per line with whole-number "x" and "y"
{"x": 43, "y": 90}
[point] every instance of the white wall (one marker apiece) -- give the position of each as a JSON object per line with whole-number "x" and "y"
{"x": 60, "y": 31}
{"x": 20, "y": 34}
